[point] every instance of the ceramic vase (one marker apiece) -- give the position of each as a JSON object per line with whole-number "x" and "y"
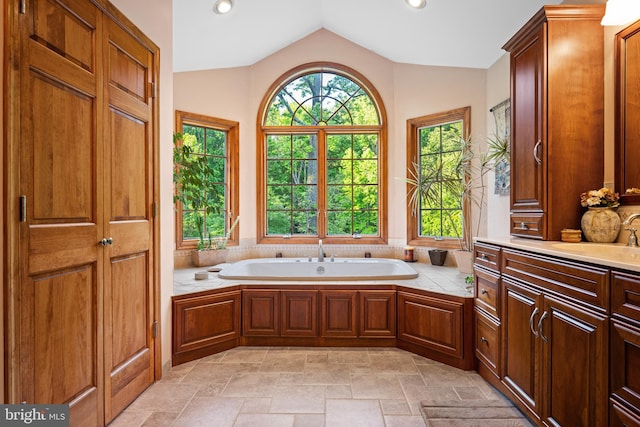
{"x": 600, "y": 224}
{"x": 208, "y": 257}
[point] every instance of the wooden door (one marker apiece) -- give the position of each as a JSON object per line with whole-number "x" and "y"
{"x": 82, "y": 126}
{"x": 575, "y": 361}
{"x": 522, "y": 309}
{"x": 61, "y": 263}
{"x": 528, "y": 149}
{"x": 128, "y": 223}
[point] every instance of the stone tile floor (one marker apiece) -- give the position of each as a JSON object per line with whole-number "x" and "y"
{"x": 307, "y": 387}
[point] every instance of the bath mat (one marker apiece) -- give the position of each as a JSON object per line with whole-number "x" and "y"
{"x": 468, "y": 413}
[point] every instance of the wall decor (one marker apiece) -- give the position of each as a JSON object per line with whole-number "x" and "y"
{"x": 502, "y": 116}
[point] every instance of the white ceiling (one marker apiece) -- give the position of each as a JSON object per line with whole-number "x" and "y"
{"x": 460, "y": 33}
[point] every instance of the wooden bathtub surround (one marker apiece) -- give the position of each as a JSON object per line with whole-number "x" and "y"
{"x": 430, "y": 324}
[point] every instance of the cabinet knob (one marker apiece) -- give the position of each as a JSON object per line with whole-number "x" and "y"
{"x": 484, "y": 340}
{"x": 484, "y": 291}
{"x": 524, "y": 226}
{"x": 483, "y": 256}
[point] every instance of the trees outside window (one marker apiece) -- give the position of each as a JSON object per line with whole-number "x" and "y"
{"x": 212, "y": 143}
{"x": 322, "y": 158}
{"x": 435, "y": 160}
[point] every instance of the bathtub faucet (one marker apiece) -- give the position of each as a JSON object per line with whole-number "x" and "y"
{"x": 633, "y": 240}
{"x": 320, "y": 251}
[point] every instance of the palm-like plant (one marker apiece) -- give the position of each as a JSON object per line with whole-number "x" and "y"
{"x": 462, "y": 176}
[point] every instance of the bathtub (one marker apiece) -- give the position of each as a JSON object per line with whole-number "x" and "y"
{"x": 303, "y": 269}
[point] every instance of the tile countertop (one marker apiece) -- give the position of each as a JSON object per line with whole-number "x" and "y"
{"x": 444, "y": 280}
{"x": 615, "y": 255}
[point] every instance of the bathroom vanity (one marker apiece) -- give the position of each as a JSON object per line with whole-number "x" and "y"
{"x": 557, "y": 329}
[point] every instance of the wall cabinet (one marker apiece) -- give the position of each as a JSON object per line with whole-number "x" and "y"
{"x": 557, "y": 109}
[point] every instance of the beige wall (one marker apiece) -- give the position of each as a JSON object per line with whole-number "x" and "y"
{"x": 498, "y": 89}
{"x": 407, "y": 91}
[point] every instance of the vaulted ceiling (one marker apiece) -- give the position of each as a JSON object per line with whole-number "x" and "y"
{"x": 459, "y": 33}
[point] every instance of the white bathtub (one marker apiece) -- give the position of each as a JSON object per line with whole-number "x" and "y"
{"x": 303, "y": 269}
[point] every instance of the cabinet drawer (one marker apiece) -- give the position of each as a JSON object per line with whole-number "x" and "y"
{"x": 487, "y": 341}
{"x": 487, "y": 256}
{"x": 530, "y": 224}
{"x": 582, "y": 282}
{"x": 625, "y": 295}
{"x": 487, "y": 291}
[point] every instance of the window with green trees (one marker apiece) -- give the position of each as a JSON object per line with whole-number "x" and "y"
{"x": 322, "y": 157}
{"x": 436, "y": 145}
{"x": 209, "y": 146}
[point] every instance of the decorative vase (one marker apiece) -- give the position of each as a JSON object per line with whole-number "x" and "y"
{"x": 208, "y": 257}
{"x": 437, "y": 256}
{"x": 464, "y": 261}
{"x": 600, "y": 224}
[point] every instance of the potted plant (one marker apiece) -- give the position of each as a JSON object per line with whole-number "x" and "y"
{"x": 464, "y": 177}
{"x": 198, "y": 193}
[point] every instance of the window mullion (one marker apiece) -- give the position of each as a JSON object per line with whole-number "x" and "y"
{"x": 322, "y": 184}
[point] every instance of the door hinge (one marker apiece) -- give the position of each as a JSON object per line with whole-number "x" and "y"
{"x": 154, "y": 209}
{"x": 23, "y": 208}
{"x": 22, "y": 9}
{"x": 152, "y": 89}
{"x": 154, "y": 329}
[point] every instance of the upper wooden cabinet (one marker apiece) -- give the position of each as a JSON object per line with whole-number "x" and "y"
{"x": 557, "y": 118}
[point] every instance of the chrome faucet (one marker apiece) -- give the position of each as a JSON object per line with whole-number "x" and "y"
{"x": 320, "y": 251}
{"x": 633, "y": 239}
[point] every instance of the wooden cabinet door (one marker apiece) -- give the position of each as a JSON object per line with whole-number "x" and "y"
{"x": 624, "y": 379}
{"x": 61, "y": 164}
{"x": 204, "y": 324}
{"x": 528, "y": 139}
{"x": 521, "y": 310}
{"x": 431, "y": 322}
{"x": 299, "y": 313}
{"x": 377, "y": 314}
{"x": 128, "y": 208}
{"x": 575, "y": 361}
{"x": 261, "y": 312}
{"x": 339, "y": 314}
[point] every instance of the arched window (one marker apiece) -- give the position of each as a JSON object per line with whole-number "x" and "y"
{"x": 322, "y": 158}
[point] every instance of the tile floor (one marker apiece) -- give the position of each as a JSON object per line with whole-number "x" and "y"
{"x": 279, "y": 386}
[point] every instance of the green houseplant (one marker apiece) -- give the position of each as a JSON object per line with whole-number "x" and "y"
{"x": 463, "y": 178}
{"x": 198, "y": 193}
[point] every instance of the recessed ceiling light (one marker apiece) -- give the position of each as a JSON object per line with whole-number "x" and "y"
{"x": 222, "y": 6}
{"x": 418, "y": 4}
